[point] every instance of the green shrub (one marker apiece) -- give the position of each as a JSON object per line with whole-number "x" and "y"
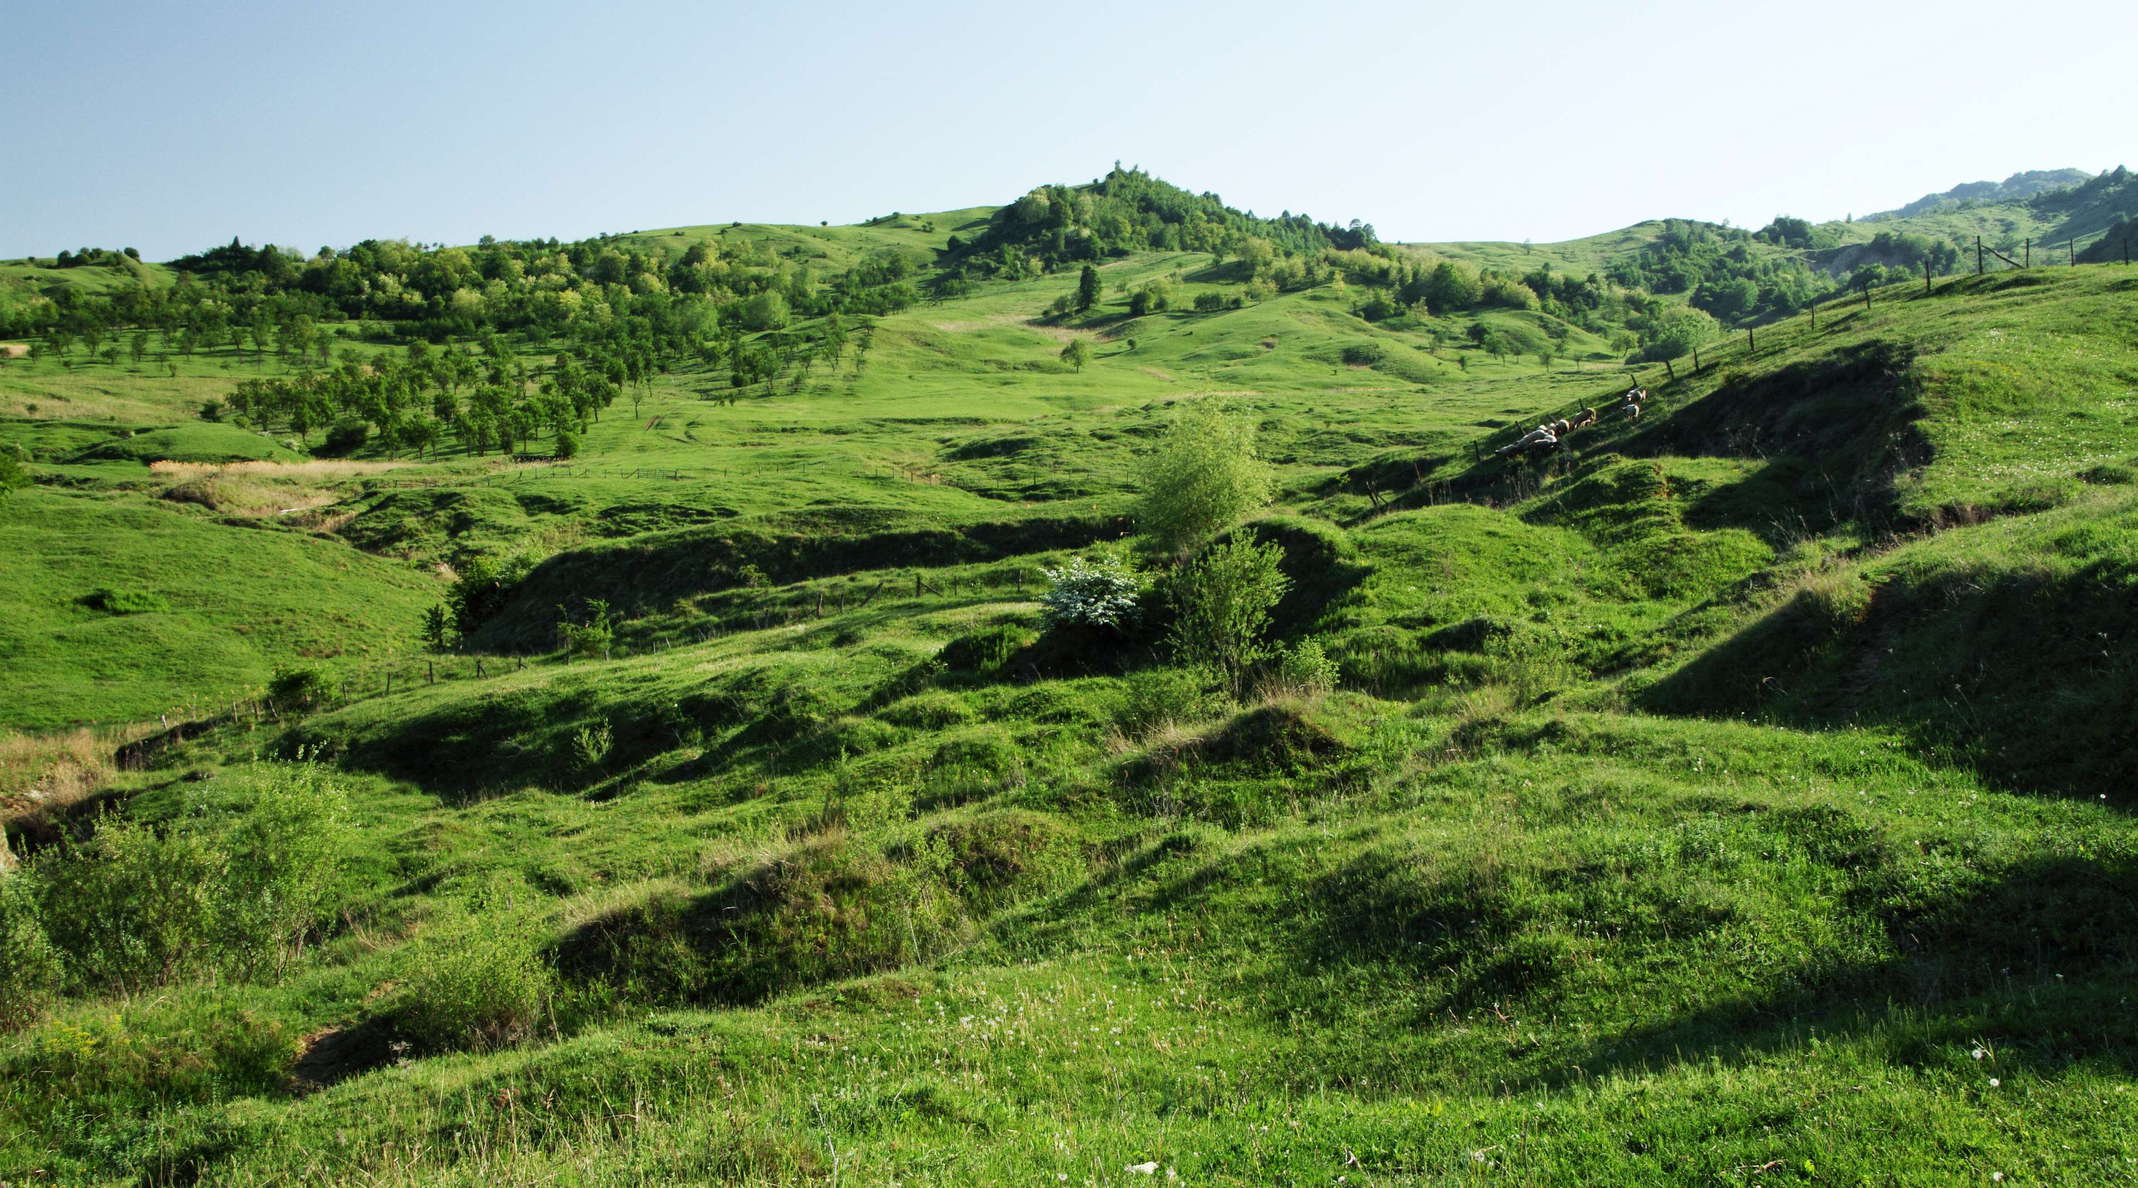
{"x": 237, "y": 884}
{"x": 567, "y": 445}
{"x": 134, "y": 908}
{"x": 285, "y": 843}
{"x": 1159, "y": 697}
{"x": 1306, "y": 668}
{"x": 591, "y": 745}
{"x": 32, "y": 970}
{"x": 344, "y": 439}
{"x": 124, "y": 602}
{"x": 1221, "y": 607}
{"x": 1364, "y": 354}
{"x": 301, "y": 690}
{"x": 1204, "y": 476}
{"x": 482, "y": 984}
{"x": 1098, "y": 593}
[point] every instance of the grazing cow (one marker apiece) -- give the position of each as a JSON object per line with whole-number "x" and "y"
{"x": 1540, "y": 438}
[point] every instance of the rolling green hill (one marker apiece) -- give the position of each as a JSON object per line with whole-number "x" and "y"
{"x": 1738, "y": 792}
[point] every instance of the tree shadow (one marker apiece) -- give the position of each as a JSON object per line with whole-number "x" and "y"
{"x": 2038, "y": 963}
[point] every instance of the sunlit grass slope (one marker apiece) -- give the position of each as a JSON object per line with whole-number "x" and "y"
{"x": 1739, "y": 794}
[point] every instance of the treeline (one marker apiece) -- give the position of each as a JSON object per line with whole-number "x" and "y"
{"x": 696, "y": 303}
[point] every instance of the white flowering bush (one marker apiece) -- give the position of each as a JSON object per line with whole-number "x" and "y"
{"x": 1094, "y": 593}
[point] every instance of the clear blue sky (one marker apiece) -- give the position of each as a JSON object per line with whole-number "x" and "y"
{"x": 171, "y": 127}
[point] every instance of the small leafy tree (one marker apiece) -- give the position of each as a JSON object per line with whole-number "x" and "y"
{"x": 1221, "y": 608}
{"x": 1204, "y": 476}
{"x": 1098, "y": 593}
{"x": 438, "y": 627}
{"x": 591, "y": 637}
{"x": 1076, "y": 354}
{"x": 1087, "y": 288}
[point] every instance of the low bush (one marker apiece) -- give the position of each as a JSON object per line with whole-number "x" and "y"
{"x": 480, "y": 985}
{"x": 344, "y": 439}
{"x": 124, "y": 602}
{"x": 33, "y": 970}
{"x": 1099, "y": 593}
{"x": 1160, "y": 697}
{"x": 237, "y": 884}
{"x": 301, "y": 690}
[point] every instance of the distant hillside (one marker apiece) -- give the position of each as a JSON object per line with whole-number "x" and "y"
{"x": 2016, "y": 188}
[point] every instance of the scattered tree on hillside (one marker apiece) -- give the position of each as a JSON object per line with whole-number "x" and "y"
{"x": 1204, "y": 476}
{"x": 1077, "y": 353}
{"x": 1087, "y": 288}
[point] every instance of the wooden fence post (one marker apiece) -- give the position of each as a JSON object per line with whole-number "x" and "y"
{"x": 1978, "y": 255}
{"x": 1815, "y": 313}
{"x": 2028, "y": 255}
{"x": 2072, "y": 246}
{"x": 1751, "y": 343}
{"x": 1926, "y": 278}
{"x": 1672, "y": 370}
{"x": 1696, "y": 360}
{"x": 1867, "y": 294}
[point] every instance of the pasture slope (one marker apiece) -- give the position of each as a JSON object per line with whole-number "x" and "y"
{"x": 1741, "y": 794}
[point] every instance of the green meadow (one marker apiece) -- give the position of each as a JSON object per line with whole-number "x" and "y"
{"x": 1740, "y": 793}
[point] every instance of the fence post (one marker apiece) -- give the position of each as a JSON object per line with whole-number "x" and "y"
{"x": 1978, "y": 255}
{"x": 1751, "y": 343}
{"x": 2028, "y": 255}
{"x": 1667, "y": 367}
{"x": 1867, "y": 294}
{"x": 2071, "y": 246}
{"x": 1696, "y": 359}
{"x": 1815, "y": 313}
{"x": 1926, "y": 278}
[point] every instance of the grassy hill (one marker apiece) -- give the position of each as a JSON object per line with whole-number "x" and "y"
{"x": 1738, "y": 793}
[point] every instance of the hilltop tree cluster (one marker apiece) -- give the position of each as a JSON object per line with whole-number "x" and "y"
{"x": 1130, "y": 211}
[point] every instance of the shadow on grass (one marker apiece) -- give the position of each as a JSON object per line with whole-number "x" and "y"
{"x": 2013, "y": 672}
{"x": 2038, "y": 965}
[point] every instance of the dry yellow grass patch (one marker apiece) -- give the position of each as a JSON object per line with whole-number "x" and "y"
{"x": 43, "y": 772}
{"x": 317, "y": 468}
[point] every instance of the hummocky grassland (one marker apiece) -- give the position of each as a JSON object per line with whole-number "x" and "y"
{"x": 1741, "y": 794}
